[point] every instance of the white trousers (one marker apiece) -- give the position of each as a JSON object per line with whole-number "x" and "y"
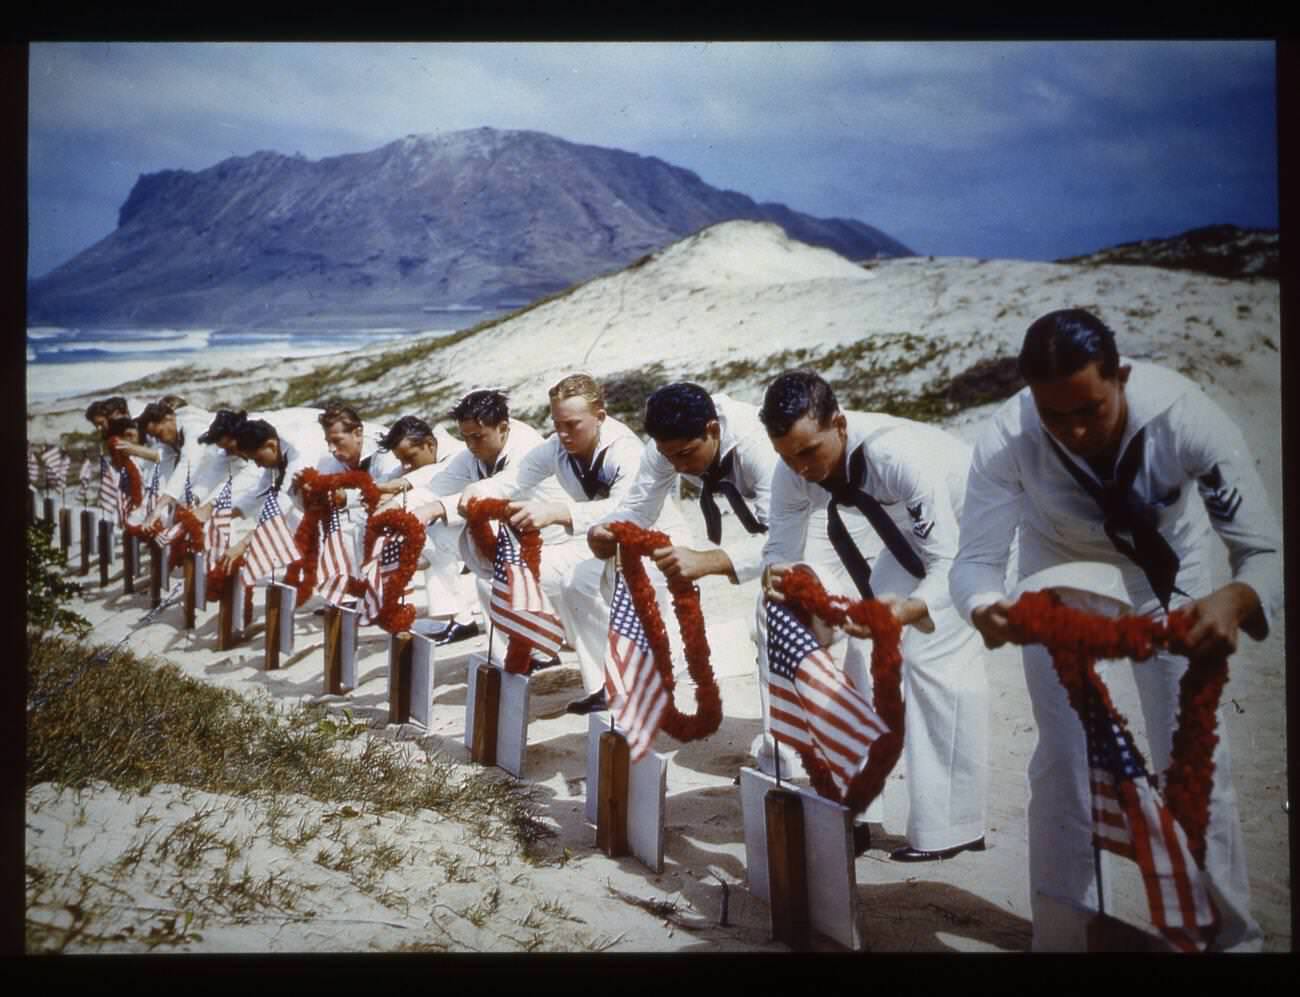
{"x": 1061, "y": 866}
{"x": 450, "y": 594}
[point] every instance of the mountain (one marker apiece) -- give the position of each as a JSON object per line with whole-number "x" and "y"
{"x": 481, "y": 218}
{"x": 1218, "y": 250}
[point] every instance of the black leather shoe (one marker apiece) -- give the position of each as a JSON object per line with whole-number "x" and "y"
{"x": 456, "y": 632}
{"x": 588, "y": 704}
{"x": 909, "y": 854}
{"x": 537, "y": 663}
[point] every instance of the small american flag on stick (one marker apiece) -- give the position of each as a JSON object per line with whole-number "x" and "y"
{"x": 271, "y": 545}
{"x": 633, "y": 686}
{"x": 216, "y": 532}
{"x": 385, "y": 555}
{"x": 56, "y": 467}
{"x": 518, "y": 605}
{"x": 335, "y": 566}
{"x": 1130, "y": 819}
{"x": 33, "y": 468}
{"x": 813, "y": 706}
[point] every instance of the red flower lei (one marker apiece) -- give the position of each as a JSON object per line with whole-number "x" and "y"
{"x": 191, "y": 537}
{"x": 318, "y": 495}
{"x": 122, "y": 461}
{"x": 806, "y": 597}
{"x": 478, "y": 514}
{"x": 638, "y": 543}
{"x": 1077, "y": 639}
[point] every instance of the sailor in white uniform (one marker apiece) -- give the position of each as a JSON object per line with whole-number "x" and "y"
{"x": 899, "y": 484}
{"x": 1110, "y": 460}
{"x": 594, "y": 458}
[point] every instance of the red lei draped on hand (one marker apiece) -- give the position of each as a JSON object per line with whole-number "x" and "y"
{"x": 123, "y": 461}
{"x": 317, "y": 497}
{"x": 638, "y": 543}
{"x": 1077, "y": 639}
{"x": 191, "y": 539}
{"x": 479, "y": 514}
{"x": 806, "y": 598}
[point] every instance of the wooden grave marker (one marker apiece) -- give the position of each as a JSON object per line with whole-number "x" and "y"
{"x": 410, "y": 678}
{"x": 48, "y": 509}
{"x": 340, "y": 649}
{"x": 105, "y": 547}
{"x": 31, "y": 506}
{"x": 508, "y": 748}
{"x": 65, "y": 530}
{"x": 231, "y": 620}
{"x": 156, "y": 556}
{"x": 129, "y": 567}
{"x": 87, "y": 539}
{"x": 281, "y": 600}
{"x": 829, "y": 878}
{"x": 194, "y": 573}
{"x": 643, "y": 794}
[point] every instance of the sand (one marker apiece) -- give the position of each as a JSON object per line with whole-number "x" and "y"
{"x": 450, "y": 892}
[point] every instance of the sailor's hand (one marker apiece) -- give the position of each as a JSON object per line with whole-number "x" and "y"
{"x": 689, "y": 564}
{"x": 602, "y": 542}
{"x": 1216, "y": 621}
{"x": 992, "y": 622}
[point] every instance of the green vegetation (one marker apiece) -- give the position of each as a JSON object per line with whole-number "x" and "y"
{"x": 133, "y": 723}
{"x": 47, "y": 590}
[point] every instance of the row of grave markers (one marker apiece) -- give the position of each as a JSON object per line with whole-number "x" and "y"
{"x": 799, "y": 848}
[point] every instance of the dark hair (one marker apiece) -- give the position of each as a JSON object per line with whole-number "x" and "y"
{"x": 252, "y": 433}
{"x": 338, "y": 412}
{"x": 153, "y": 412}
{"x": 793, "y": 395}
{"x": 120, "y": 424}
{"x": 408, "y": 427}
{"x": 94, "y": 409}
{"x": 484, "y": 406}
{"x": 116, "y": 404}
{"x": 1063, "y": 342}
{"x": 224, "y": 423}
{"x": 679, "y": 411}
{"x": 175, "y": 401}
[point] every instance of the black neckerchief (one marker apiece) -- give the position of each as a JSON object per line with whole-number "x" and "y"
{"x": 851, "y": 493}
{"x": 1124, "y": 510}
{"x": 589, "y": 478}
{"x": 716, "y": 479}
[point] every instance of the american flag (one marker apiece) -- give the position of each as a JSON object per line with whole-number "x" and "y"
{"x": 518, "y": 604}
{"x": 813, "y": 706}
{"x": 86, "y": 477}
{"x": 1130, "y": 819}
{"x": 216, "y": 532}
{"x": 335, "y": 566}
{"x": 271, "y": 545}
{"x": 148, "y": 500}
{"x": 56, "y": 467}
{"x": 177, "y": 528}
{"x": 110, "y": 491}
{"x": 635, "y": 690}
{"x": 33, "y": 468}
{"x": 385, "y": 553}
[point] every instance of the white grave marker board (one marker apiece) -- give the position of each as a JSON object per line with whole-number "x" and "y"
{"x": 647, "y": 789}
{"x": 512, "y": 716}
{"x": 828, "y": 854}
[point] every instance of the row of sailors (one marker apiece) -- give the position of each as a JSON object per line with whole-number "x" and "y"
{"x": 1099, "y": 456}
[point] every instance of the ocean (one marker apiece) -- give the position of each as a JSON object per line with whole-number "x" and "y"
{"x": 62, "y": 361}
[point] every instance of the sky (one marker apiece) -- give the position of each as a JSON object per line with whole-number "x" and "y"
{"x": 1030, "y": 150}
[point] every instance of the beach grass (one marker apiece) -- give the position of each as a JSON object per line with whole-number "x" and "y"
{"x": 100, "y": 717}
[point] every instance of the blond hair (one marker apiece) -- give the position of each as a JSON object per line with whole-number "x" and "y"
{"x": 578, "y": 386}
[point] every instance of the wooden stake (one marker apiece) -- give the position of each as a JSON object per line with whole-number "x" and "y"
{"x": 333, "y": 650}
{"x": 787, "y": 873}
{"x": 49, "y": 509}
{"x": 612, "y": 799}
{"x": 232, "y": 609}
{"x": 487, "y": 704}
{"x": 31, "y": 506}
{"x": 191, "y": 604}
{"x": 87, "y": 539}
{"x": 400, "y": 671}
{"x": 65, "y": 530}
{"x": 274, "y": 607}
{"x": 155, "y": 575}
{"x": 105, "y": 550}
{"x": 128, "y": 564}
